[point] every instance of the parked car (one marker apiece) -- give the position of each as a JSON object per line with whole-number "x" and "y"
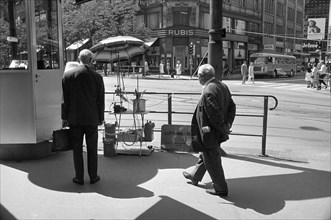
{"x": 281, "y": 72}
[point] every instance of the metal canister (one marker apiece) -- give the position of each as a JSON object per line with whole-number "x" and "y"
{"x": 149, "y": 131}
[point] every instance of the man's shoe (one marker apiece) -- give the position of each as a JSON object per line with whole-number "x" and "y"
{"x": 189, "y": 176}
{"x": 78, "y": 181}
{"x": 92, "y": 181}
{"x": 217, "y": 193}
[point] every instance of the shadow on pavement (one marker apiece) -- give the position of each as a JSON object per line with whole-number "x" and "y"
{"x": 168, "y": 208}
{"x": 120, "y": 175}
{"x": 268, "y": 194}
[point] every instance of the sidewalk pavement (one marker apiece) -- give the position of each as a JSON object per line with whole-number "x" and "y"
{"x": 152, "y": 187}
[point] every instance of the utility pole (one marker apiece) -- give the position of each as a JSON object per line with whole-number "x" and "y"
{"x": 215, "y": 46}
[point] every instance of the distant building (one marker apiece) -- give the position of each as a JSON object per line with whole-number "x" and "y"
{"x": 282, "y": 25}
{"x": 316, "y": 28}
{"x": 252, "y": 26}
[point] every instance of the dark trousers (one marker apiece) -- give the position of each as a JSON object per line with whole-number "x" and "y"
{"x": 211, "y": 161}
{"x": 91, "y": 138}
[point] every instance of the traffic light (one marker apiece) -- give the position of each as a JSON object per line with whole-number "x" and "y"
{"x": 190, "y": 48}
{"x": 319, "y": 45}
{"x": 223, "y": 32}
{"x": 79, "y": 2}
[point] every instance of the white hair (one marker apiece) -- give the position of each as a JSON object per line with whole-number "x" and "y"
{"x": 85, "y": 56}
{"x": 207, "y": 70}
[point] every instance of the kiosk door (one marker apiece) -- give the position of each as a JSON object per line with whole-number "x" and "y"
{"x": 48, "y": 72}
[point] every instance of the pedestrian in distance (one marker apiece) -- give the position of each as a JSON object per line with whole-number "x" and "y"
{"x": 251, "y": 73}
{"x": 226, "y": 70}
{"x": 243, "y": 71}
{"x": 210, "y": 126}
{"x": 315, "y": 75}
{"x": 178, "y": 69}
{"x": 322, "y": 73}
{"x": 168, "y": 67}
{"x": 308, "y": 78}
{"x": 83, "y": 110}
{"x": 146, "y": 69}
{"x": 161, "y": 68}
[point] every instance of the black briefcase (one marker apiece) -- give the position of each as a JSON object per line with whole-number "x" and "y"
{"x": 61, "y": 140}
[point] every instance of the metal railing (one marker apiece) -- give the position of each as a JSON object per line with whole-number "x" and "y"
{"x": 264, "y": 116}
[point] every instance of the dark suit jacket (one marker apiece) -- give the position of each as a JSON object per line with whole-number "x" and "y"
{"x": 216, "y": 110}
{"x": 83, "y": 97}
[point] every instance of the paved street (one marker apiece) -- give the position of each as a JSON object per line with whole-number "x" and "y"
{"x": 292, "y": 183}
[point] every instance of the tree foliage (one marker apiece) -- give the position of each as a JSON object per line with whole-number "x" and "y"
{"x": 98, "y": 20}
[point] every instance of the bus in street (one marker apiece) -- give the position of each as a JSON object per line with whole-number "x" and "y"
{"x": 274, "y": 65}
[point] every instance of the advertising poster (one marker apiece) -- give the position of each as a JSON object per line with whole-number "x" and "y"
{"x": 316, "y": 28}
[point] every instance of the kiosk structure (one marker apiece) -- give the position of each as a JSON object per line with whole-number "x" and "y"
{"x": 31, "y": 69}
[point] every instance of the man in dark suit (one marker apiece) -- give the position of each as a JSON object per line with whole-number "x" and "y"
{"x": 83, "y": 110}
{"x": 211, "y": 123}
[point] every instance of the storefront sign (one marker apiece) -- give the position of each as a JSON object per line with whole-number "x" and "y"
{"x": 269, "y": 47}
{"x": 180, "y": 32}
{"x": 176, "y": 138}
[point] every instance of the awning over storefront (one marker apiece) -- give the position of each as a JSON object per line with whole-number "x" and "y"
{"x": 153, "y": 42}
{"x": 77, "y": 44}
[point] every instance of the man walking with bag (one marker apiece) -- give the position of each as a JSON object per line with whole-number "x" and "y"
{"x": 211, "y": 123}
{"x": 83, "y": 110}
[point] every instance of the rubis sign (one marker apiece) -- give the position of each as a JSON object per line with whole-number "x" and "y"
{"x": 180, "y": 32}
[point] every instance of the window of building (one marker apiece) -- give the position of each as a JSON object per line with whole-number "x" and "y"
{"x": 291, "y": 14}
{"x": 253, "y": 27}
{"x": 153, "y": 20}
{"x": 205, "y": 20}
{"x": 47, "y": 34}
{"x": 227, "y": 24}
{"x": 181, "y": 16}
{"x": 280, "y": 9}
{"x": 240, "y": 27}
{"x": 256, "y": 4}
{"x": 270, "y": 6}
{"x": 140, "y": 20}
{"x": 13, "y": 40}
{"x": 299, "y": 17}
{"x": 268, "y": 27}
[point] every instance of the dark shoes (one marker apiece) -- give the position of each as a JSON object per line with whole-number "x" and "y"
{"x": 81, "y": 182}
{"x": 78, "y": 181}
{"x": 96, "y": 179}
{"x": 190, "y": 177}
{"x": 217, "y": 193}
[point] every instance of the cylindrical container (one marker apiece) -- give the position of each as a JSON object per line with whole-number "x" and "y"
{"x": 149, "y": 131}
{"x": 109, "y": 148}
{"x": 139, "y": 105}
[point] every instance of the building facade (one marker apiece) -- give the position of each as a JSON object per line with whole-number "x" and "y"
{"x": 317, "y": 19}
{"x": 251, "y": 26}
{"x": 177, "y": 24}
{"x": 283, "y": 26}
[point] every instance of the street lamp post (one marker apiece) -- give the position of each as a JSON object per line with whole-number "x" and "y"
{"x": 215, "y": 40}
